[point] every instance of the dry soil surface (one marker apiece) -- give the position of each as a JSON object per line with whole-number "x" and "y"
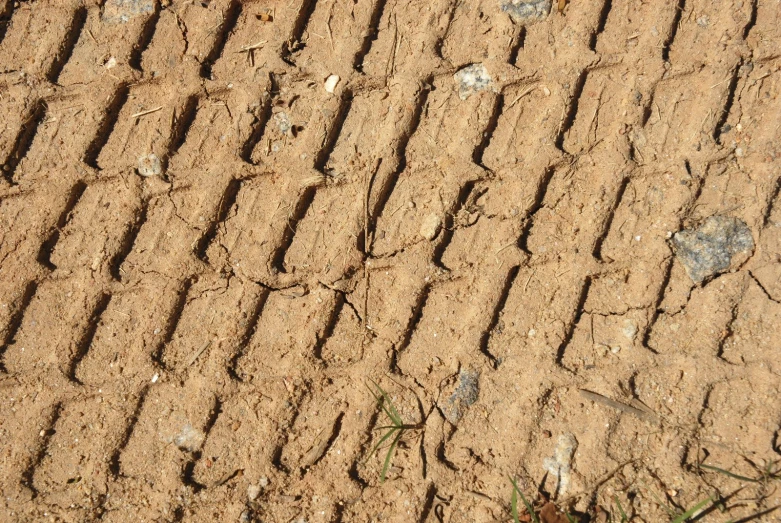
{"x": 551, "y": 233}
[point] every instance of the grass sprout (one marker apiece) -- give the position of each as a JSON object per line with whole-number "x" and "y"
{"x": 514, "y": 504}
{"x": 766, "y": 475}
{"x": 689, "y": 513}
{"x": 395, "y": 430}
{"x": 624, "y": 518}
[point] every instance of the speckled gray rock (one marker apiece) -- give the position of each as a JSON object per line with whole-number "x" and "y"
{"x": 713, "y": 247}
{"x": 560, "y": 464}
{"x": 121, "y": 11}
{"x": 527, "y": 11}
{"x": 149, "y": 165}
{"x": 471, "y": 79}
{"x": 466, "y": 393}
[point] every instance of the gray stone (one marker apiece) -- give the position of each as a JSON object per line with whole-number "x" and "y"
{"x": 466, "y": 393}
{"x": 719, "y": 243}
{"x": 527, "y": 11}
{"x": 560, "y": 464}
{"x": 471, "y": 79}
{"x": 121, "y": 11}
{"x": 149, "y": 165}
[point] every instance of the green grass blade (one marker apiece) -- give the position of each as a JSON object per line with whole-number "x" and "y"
{"x": 391, "y": 427}
{"x": 382, "y": 440}
{"x": 393, "y": 414}
{"x": 728, "y": 473}
{"x": 529, "y": 508}
{"x": 689, "y": 513}
{"x": 525, "y": 502}
{"x": 624, "y": 517}
{"x": 570, "y": 519}
{"x": 514, "y": 506}
{"x": 662, "y": 504}
{"x": 381, "y": 402}
{"x": 389, "y": 455}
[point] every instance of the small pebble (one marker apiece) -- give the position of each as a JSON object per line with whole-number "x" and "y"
{"x": 189, "y": 438}
{"x": 122, "y": 11}
{"x": 253, "y": 491}
{"x": 629, "y": 329}
{"x": 713, "y": 247}
{"x": 472, "y": 79}
{"x": 430, "y": 226}
{"x": 149, "y": 165}
{"x": 527, "y": 11}
{"x": 283, "y": 122}
{"x": 330, "y": 83}
{"x": 560, "y": 464}
{"x": 464, "y": 396}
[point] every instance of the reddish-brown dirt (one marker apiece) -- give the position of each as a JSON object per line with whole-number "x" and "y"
{"x": 206, "y": 257}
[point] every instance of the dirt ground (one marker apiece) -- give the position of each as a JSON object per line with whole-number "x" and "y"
{"x": 220, "y": 221}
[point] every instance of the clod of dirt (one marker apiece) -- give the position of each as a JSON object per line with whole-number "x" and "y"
{"x": 465, "y": 395}
{"x": 430, "y": 226}
{"x": 560, "y": 464}
{"x": 629, "y": 329}
{"x": 527, "y": 11}
{"x": 149, "y": 165}
{"x": 330, "y": 83}
{"x": 471, "y": 79}
{"x": 550, "y": 514}
{"x": 713, "y": 247}
{"x": 189, "y": 438}
{"x": 121, "y": 11}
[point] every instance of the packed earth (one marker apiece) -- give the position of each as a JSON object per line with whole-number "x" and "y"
{"x": 390, "y": 260}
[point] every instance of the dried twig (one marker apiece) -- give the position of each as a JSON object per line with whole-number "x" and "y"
{"x": 198, "y": 353}
{"x": 599, "y": 398}
{"x": 144, "y": 113}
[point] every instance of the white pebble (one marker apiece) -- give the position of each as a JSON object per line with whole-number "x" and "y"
{"x": 330, "y": 83}
{"x": 430, "y": 226}
{"x": 253, "y": 491}
{"x": 149, "y": 165}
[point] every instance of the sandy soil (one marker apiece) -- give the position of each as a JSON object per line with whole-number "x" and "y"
{"x": 551, "y": 233}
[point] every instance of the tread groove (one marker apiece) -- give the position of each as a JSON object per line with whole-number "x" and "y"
{"x": 106, "y": 126}
{"x": 66, "y": 48}
{"x": 679, "y": 9}
{"x": 15, "y": 321}
{"x": 570, "y": 331}
{"x": 230, "y": 19}
{"x": 83, "y": 345}
{"x": 48, "y": 245}
{"x": 144, "y": 39}
{"x": 24, "y": 140}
